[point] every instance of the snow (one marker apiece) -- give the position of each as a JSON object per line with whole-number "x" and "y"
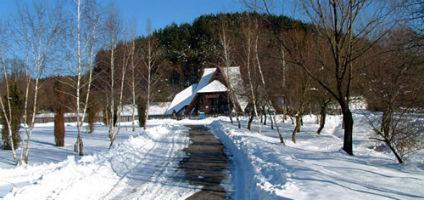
{"x": 182, "y": 99}
{"x": 144, "y": 164}
{"x": 214, "y": 86}
{"x": 155, "y": 108}
{"x": 315, "y": 167}
{"x": 206, "y": 78}
{"x": 158, "y": 108}
{"x": 51, "y": 115}
{"x": 138, "y": 166}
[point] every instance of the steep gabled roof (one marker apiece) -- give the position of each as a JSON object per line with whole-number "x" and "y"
{"x": 182, "y": 99}
{"x": 206, "y": 77}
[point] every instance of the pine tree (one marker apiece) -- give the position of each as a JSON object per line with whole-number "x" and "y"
{"x": 16, "y": 105}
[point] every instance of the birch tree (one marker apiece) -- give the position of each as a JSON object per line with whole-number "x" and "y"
{"x": 268, "y": 102}
{"x": 226, "y": 57}
{"x": 113, "y": 31}
{"x": 153, "y": 71}
{"x": 39, "y": 29}
{"x": 133, "y": 62}
{"x": 249, "y": 36}
{"x": 87, "y": 18}
{"x": 149, "y": 62}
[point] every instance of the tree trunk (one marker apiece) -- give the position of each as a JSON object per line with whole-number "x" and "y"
{"x": 229, "y": 102}
{"x": 348, "y": 128}
{"x": 297, "y": 127}
{"x": 387, "y": 117}
{"x": 78, "y": 146}
{"x": 322, "y": 118}
{"x": 298, "y": 122}
{"x": 271, "y": 121}
{"x": 251, "y": 118}
{"x": 237, "y": 119}
{"x": 59, "y": 129}
{"x": 400, "y": 161}
{"x": 91, "y": 112}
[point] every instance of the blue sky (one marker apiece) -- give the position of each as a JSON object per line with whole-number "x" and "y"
{"x": 160, "y": 12}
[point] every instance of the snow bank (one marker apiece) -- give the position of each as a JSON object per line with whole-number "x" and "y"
{"x": 315, "y": 167}
{"x": 69, "y": 179}
{"x": 243, "y": 173}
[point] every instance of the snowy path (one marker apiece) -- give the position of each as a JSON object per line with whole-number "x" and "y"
{"x": 206, "y": 164}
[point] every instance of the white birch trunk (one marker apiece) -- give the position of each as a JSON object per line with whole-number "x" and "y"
{"x": 133, "y": 88}
{"x": 268, "y": 100}
{"x": 231, "y": 97}
{"x": 79, "y": 142}
{"x": 149, "y": 81}
{"x": 112, "y": 100}
{"x": 251, "y": 86}
{"x": 119, "y": 106}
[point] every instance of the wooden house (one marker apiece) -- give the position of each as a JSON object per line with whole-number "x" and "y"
{"x": 211, "y": 94}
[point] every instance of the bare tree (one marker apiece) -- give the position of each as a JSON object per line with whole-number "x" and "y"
{"x": 113, "y": 31}
{"x": 345, "y": 25}
{"x": 39, "y": 29}
{"x": 226, "y": 57}
{"x": 153, "y": 70}
{"x": 249, "y": 36}
{"x": 87, "y": 17}
{"x": 394, "y": 85}
{"x": 338, "y": 22}
{"x": 267, "y": 100}
{"x": 149, "y": 61}
{"x": 133, "y": 62}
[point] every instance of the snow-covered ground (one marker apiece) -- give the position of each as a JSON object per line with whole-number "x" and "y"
{"x": 143, "y": 165}
{"x": 316, "y": 167}
{"x": 140, "y": 165}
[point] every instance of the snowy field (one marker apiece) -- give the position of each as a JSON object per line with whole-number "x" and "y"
{"x": 142, "y": 164}
{"x": 316, "y": 167}
{"x": 139, "y": 165}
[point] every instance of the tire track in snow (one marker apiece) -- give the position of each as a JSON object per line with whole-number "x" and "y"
{"x": 125, "y": 175}
{"x": 153, "y": 177}
{"x": 157, "y": 174}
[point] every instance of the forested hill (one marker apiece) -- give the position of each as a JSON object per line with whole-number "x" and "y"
{"x": 182, "y": 51}
{"x": 192, "y": 47}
